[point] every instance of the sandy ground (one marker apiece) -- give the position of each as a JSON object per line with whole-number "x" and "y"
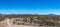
{"x": 7, "y": 24}
{"x": 22, "y": 26}
{"x": 3, "y": 25}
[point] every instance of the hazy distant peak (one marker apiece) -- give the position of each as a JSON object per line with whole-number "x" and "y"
{"x": 52, "y": 14}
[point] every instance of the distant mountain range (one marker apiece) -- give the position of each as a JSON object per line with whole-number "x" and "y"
{"x": 29, "y": 15}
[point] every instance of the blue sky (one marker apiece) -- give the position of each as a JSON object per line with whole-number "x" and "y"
{"x": 30, "y": 7}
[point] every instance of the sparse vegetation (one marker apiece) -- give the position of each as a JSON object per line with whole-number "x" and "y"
{"x": 42, "y": 20}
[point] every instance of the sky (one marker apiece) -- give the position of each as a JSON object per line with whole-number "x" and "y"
{"x": 30, "y": 7}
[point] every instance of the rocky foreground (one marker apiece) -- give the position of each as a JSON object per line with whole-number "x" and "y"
{"x": 4, "y": 24}
{"x": 29, "y": 21}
